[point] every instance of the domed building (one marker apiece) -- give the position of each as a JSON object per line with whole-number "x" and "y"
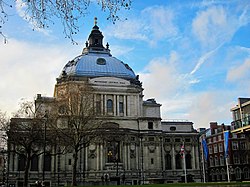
{"x": 131, "y": 144}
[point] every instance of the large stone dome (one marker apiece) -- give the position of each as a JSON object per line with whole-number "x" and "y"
{"x": 96, "y": 61}
{"x": 98, "y": 65}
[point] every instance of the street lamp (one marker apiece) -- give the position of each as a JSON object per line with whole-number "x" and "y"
{"x": 109, "y": 156}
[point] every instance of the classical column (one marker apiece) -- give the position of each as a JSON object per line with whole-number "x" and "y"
{"x": 105, "y": 104}
{"x": 193, "y": 158}
{"x": 115, "y": 105}
{"x": 128, "y": 157}
{"x": 173, "y": 158}
{"x": 86, "y": 159}
{"x": 101, "y": 156}
{"x": 102, "y": 105}
{"x": 197, "y": 157}
{"x": 118, "y": 106}
{"x": 125, "y": 105}
{"x": 128, "y": 105}
{"x": 97, "y": 156}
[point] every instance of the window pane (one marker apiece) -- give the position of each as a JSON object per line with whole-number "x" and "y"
{"x": 121, "y": 107}
{"x": 109, "y": 105}
{"x": 34, "y": 163}
{"x": 47, "y": 165}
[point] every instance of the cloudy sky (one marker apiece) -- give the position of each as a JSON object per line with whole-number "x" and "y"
{"x": 191, "y": 56}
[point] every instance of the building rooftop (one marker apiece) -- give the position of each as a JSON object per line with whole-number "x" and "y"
{"x": 97, "y": 61}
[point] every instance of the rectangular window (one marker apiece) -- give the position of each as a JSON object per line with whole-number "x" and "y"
{"x": 216, "y": 161}
{"x": 243, "y": 145}
{"x": 69, "y": 161}
{"x": 242, "y": 136}
{"x": 151, "y": 139}
{"x": 177, "y": 140}
{"x": 211, "y": 161}
{"x": 210, "y": 149}
{"x": 215, "y": 148}
{"x": 121, "y": 110}
{"x": 214, "y": 139}
{"x": 235, "y": 146}
{"x": 219, "y": 138}
{"x": 234, "y": 135}
{"x": 220, "y": 148}
{"x": 167, "y": 139}
{"x": 236, "y": 159}
{"x": 221, "y": 160}
{"x": 187, "y": 139}
{"x": 150, "y": 125}
{"x": 152, "y": 161}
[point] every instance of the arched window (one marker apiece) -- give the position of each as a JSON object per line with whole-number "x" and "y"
{"x": 223, "y": 175}
{"x": 216, "y": 163}
{"x": 237, "y": 173}
{"x": 212, "y": 174}
{"x": 178, "y": 161}
{"x": 47, "y": 164}
{"x": 188, "y": 161}
{"x": 34, "y": 163}
{"x": 246, "y": 173}
{"x": 218, "y": 175}
{"x": 109, "y": 105}
{"x": 168, "y": 162}
{"x": 236, "y": 158}
{"x": 21, "y": 162}
{"x": 222, "y": 160}
{"x": 211, "y": 161}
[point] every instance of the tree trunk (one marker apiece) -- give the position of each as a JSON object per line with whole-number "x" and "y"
{"x": 75, "y": 158}
{"x": 26, "y": 171}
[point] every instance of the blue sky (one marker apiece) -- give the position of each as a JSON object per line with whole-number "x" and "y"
{"x": 193, "y": 57}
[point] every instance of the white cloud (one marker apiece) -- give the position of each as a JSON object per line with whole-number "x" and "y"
{"x": 217, "y": 25}
{"x": 161, "y": 78}
{"x": 203, "y": 59}
{"x": 159, "y": 23}
{"x": 120, "y": 50}
{"x": 154, "y": 23}
{"x": 129, "y": 29}
{"x": 240, "y": 72}
{"x": 209, "y": 25}
{"x": 28, "y": 69}
{"x": 209, "y": 106}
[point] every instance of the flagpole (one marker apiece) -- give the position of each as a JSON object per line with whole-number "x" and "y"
{"x": 203, "y": 164}
{"x": 226, "y": 155}
{"x": 228, "y": 177}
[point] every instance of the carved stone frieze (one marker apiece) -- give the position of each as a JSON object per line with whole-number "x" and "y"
{"x": 167, "y": 148}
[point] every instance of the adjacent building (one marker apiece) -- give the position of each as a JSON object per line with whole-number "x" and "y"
{"x": 235, "y": 162}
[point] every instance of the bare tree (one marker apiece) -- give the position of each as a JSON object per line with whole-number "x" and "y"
{"x": 26, "y": 136}
{"x": 80, "y": 121}
{"x": 43, "y": 13}
{"x": 3, "y": 123}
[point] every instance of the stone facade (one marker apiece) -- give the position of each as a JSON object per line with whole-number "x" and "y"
{"x": 135, "y": 147}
